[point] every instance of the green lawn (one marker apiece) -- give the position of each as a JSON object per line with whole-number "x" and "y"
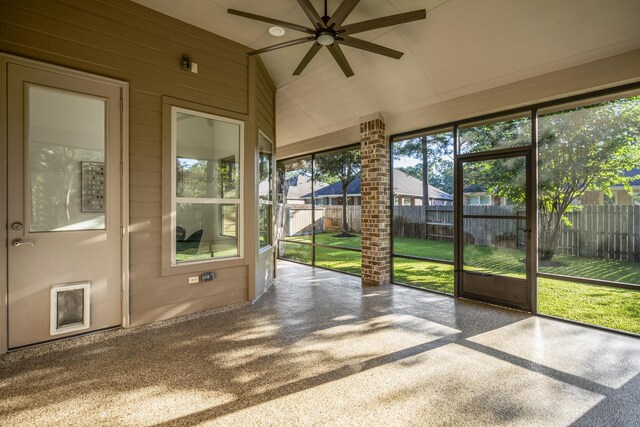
{"x": 600, "y": 305}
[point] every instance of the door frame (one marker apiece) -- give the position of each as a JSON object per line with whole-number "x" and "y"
{"x": 5, "y": 60}
{"x": 531, "y": 227}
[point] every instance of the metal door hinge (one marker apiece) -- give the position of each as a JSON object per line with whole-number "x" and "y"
{"x": 121, "y": 232}
{"x": 121, "y": 104}
{"x": 121, "y": 168}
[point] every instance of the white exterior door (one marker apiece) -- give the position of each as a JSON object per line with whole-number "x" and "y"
{"x": 64, "y": 206}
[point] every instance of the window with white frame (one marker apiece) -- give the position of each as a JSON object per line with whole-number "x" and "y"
{"x": 206, "y": 190}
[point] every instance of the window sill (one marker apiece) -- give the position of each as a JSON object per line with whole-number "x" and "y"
{"x": 201, "y": 266}
{"x": 265, "y": 249}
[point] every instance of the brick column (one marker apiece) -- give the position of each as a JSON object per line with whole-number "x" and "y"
{"x": 376, "y": 204}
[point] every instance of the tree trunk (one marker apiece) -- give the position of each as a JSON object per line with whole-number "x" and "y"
{"x": 425, "y": 172}
{"x": 549, "y": 233}
{"x": 345, "y": 226}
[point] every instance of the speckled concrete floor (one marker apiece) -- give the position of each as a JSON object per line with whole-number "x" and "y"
{"x": 318, "y": 349}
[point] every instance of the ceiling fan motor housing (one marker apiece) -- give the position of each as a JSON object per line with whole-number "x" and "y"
{"x": 325, "y": 38}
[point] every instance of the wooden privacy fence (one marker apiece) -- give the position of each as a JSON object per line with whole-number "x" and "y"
{"x": 436, "y": 223}
{"x": 333, "y": 218}
{"x": 297, "y": 220}
{"x": 611, "y": 232}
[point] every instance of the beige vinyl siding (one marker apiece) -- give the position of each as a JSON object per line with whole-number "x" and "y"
{"x": 129, "y": 42}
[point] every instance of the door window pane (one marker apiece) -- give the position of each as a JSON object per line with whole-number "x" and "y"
{"x": 207, "y": 186}
{"x": 66, "y": 169}
{"x": 494, "y": 187}
{"x": 495, "y": 246}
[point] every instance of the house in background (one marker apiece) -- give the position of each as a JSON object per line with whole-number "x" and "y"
{"x": 298, "y": 187}
{"x": 407, "y": 191}
{"x": 620, "y": 196}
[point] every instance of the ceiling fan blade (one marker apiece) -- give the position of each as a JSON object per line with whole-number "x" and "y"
{"x": 370, "y": 47}
{"x": 338, "y": 55}
{"x": 386, "y": 21}
{"x": 281, "y": 45}
{"x": 307, "y": 58}
{"x": 341, "y": 13}
{"x": 271, "y": 21}
{"x": 312, "y": 13}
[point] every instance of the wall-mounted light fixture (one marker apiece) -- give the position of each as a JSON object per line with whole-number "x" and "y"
{"x": 188, "y": 65}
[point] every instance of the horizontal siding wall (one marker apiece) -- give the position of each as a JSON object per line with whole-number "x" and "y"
{"x": 129, "y": 42}
{"x": 265, "y": 102}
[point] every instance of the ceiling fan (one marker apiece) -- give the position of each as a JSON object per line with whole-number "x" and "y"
{"x": 329, "y": 31}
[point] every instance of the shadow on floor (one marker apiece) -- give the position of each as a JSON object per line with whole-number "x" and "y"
{"x": 319, "y": 348}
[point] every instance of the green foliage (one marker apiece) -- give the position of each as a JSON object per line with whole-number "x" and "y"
{"x": 439, "y": 156}
{"x": 207, "y": 178}
{"x": 585, "y": 148}
{"x": 341, "y": 167}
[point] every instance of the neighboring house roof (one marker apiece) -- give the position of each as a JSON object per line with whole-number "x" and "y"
{"x": 635, "y": 172}
{"x": 300, "y": 186}
{"x": 403, "y": 184}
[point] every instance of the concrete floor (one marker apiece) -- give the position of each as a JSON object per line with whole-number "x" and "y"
{"x": 318, "y": 349}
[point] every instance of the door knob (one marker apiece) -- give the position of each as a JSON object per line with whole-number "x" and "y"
{"x": 20, "y": 242}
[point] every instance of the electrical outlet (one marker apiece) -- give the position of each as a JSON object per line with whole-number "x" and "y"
{"x": 194, "y": 279}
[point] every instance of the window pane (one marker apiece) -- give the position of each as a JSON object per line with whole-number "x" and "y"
{"x": 495, "y": 135}
{"x": 295, "y": 219}
{"x": 295, "y": 252}
{"x": 423, "y": 196}
{"x": 337, "y": 195}
{"x": 597, "y": 305}
{"x": 207, "y": 171}
{"x": 67, "y": 177}
{"x": 589, "y": 177}
{"x": 423, "y": 274}
{"x": 341, "y": 260}
{"x": 265, "y": 190}
{"x": 205, "y": 231}
{"x": 208, "y": 157}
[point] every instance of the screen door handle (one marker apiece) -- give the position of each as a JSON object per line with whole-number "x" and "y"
{"x": 20, "y": 242}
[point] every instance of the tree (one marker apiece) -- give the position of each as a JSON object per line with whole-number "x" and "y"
{"x": 582, "y": 149}
{"x": 436, "y": 153}
{"x": 343, "y": 167}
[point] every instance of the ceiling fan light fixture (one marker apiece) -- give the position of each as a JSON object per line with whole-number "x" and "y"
{"x": 276, "y": 31}
{"x": 326, "y": 39}
{"x": 329, "y": 31}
